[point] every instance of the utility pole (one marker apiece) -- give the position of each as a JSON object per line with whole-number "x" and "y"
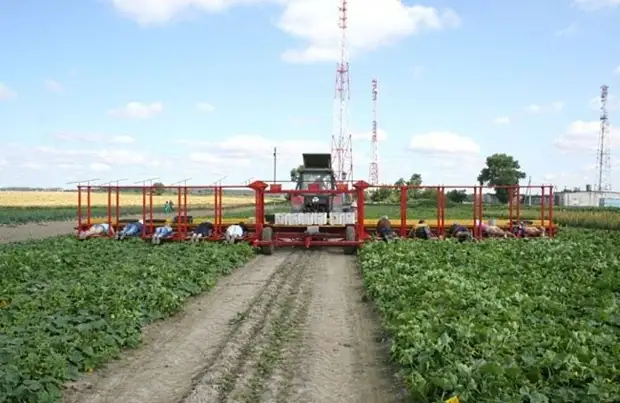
{"x": 275, "y": 163}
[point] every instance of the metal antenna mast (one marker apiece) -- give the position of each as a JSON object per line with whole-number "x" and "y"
{"x": 374, "y": 164}
{"x": 342, "y": 147}
{"x": 603, "y": 155}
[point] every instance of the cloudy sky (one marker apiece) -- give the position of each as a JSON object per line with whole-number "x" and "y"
{"x": 206, "y": 88}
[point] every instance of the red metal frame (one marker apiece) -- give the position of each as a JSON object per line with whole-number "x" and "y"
{"x": 295, "y": 235}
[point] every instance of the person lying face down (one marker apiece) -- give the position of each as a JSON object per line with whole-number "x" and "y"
{"x": 203, "y": 230}
{"x": 384, "y": 229}
{"x": 459, "y": 232}
{"x": 96, "y": 230}
{"x": 493, "y": 231}
{"x": 131, "y": 229}
{"x": 525, "y": 231}
{"x": 162, "y": 233}
{"x": 423, "y": 231}
{"x": 235, "y": 232}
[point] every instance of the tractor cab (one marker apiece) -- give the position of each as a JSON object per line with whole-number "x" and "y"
{"x": 317, "y": 174}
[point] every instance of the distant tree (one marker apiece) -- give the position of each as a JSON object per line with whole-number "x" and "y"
{"x": 501, "y": 170}
{"x": 456, "y": 196}
{"x": 159, "y": 188}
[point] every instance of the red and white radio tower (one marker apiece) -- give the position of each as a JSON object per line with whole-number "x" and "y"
{"x": 342, "y": 147}
{"x": 374, "y": 164}
{"x": 603, "y": 158}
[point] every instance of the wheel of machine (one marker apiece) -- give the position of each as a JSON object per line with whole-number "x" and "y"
{"x": 267, "y": 235}
{"x": 350, "y": 236}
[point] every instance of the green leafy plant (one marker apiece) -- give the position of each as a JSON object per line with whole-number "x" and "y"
{"x": 502, "y": 321}
{"x": 67, "y": 307}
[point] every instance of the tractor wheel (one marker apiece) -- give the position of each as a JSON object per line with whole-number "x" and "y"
{"x": 350, "y": 236}
{"x": 267, "y": 235}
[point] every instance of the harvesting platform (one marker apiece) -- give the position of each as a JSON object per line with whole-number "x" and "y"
{"x": 308, "y": 216}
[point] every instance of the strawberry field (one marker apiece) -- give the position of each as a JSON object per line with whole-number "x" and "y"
{"x": 67, "y": 306}
{"x": 516, "y": 321}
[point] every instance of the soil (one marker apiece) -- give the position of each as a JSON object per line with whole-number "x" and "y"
{"x": 291, "y": 327}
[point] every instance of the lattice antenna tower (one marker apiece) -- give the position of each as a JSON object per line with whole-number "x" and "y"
{"x": 603, "y": 155}
{"x": 342, "y": 147}
{"x": 374, "y": 163}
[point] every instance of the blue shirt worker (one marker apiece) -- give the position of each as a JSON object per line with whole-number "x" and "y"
{"x": 130, "y": 230}
{"x": 164, "y": 232}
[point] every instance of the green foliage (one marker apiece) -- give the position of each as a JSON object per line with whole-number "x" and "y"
{"x": 501, "y": 170}
{"x": 158, "y": 188}
{"x": 68, "y": 306}
{"x": 456, "y": 196}
{"x": 511, "y": 321}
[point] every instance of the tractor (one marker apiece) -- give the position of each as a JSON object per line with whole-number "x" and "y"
{"x": 317, "y": 174}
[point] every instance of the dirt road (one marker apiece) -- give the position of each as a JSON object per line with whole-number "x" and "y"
{"x": 290, "y": 327}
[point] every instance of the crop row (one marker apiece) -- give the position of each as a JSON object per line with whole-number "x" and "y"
{"x": 518, "y": 321}
{"x": 66, "y": 307}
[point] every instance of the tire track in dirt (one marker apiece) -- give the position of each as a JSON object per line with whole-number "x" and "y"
{"x": 177, "y": 349}
{"x": 245, "y": 363}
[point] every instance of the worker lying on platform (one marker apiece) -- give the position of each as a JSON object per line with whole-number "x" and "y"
{"x": 164, "y": 232}
{"x": 459, "y": 232}
{"x": 203, "y": 230}
{"x": 525, "y": 231}
{"x": 493, "y": 231}
{"x": 97, "y": 230}
{"x": 131, "y": 229}
{"x": 423, "y": 231}
{"x": 235, "y": 232}
{"x": 384, "y": 229}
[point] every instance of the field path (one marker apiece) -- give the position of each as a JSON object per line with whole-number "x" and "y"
{"x": 31, "y": 231}
{"x": 290, "y": 327}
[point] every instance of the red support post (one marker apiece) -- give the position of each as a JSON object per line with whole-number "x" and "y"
{"x": 542, "y": 206}
{"x": 185, "y": 226}
{"x": 143, "y": 210}
{"x": 518, "y": 204}
{"x": 88, "y": 208}
{"x": 551, "y": 205}
{"x": 403, "y": 211}
{"x": 511, "y": 191}
{"x": 474, "y": 227}
{"x": 79, "y": 209}
{"x": 109, "y": 210}
{"x": 259, "y": 201}
{"x": 360, "y": 230}
{"x": 179, "y": 209}
{"x": 443, "y": 210}
{"x": 151, "y": 229}
{"x": 118, "y": 208}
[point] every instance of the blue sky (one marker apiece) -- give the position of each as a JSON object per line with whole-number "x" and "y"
{"x": 135, "y": 88}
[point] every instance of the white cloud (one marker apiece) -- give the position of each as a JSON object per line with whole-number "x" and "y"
{"x": 93, "y": 138}
{"x": 34, "y": 166}
{"x": 370, "y": 24}
{"x": 6, "y": 93}
{"x": 205, "y": 107}
{"x": 99, "y": 167}
{"x": 502, "y": 120}
{"x": 582, "y": 136}
{"x": 617, "y": 71}
{"x": 381, "y": 135}
{"x": 138, "y": 110}
{"x": 555, "y": 106}
{"x": 612, "y": 103}
{"x": 3, "y": 164}
{"x": 596, "y": 4}
{"x": 53, "y": 86}
{"x": 444, "y": 143}
{"x": 570, "y": 30}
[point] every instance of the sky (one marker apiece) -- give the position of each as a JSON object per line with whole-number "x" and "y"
{"x": 201, "y": 89}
